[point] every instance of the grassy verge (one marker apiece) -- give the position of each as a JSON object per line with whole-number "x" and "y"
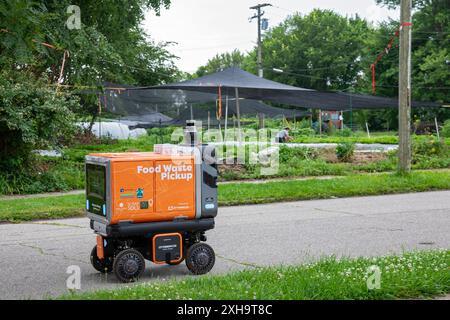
{"x": 355, "y": 185}
{"x": 381, "y": 139}
{"x": 411, "y": 275}
{"x": 25, "y": 209}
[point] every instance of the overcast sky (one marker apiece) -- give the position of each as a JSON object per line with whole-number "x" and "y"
{"x": 203, "y": 28}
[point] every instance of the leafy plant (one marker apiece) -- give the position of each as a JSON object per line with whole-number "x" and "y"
{"x": 32, "y": 116}
{"x": 308, "y": 132}
{"x": 345, "y": 151}
{"x": 287, "y": 154}
{"x": 346, "y": 132}
{"x": 429, "y": 147}
{"x": 446, "y": 129}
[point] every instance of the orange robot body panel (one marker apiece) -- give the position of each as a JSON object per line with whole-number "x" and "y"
{"x": 150, "y": 187}
{"x": 100, "y": 248}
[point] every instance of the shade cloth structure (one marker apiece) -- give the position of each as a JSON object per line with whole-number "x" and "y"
{"x": 173, "y": 107}
{"x": 154, "y": 104}
{"x": 252, "y": 87}
{"x": 247, "y": 108}
{"x": 146, "y": 120}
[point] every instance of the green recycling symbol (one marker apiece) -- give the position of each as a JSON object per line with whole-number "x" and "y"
{"x": 140, "y": 193}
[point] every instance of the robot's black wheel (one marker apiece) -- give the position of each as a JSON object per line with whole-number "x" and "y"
{"x": 129, "y": 265}
{"x": 200, "y": 258}
{"x": 103, "y": 266}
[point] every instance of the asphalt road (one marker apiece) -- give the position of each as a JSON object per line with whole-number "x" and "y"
{"x": 35, "y": 256}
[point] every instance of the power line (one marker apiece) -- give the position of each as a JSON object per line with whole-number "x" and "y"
{"x": 284, "y": 9}
{"x": 212, "y": 47}
{"x": 279, "y": 71}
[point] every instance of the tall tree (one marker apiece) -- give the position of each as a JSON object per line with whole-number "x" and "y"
{"x": 321, "y": 50}
{"x": 220, "y": 62}
{"x": 109, "y": 46}
{"x": 430, "y": 57}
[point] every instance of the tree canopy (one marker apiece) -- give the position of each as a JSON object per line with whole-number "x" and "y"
{"x": 221, "y": 61}
{"x": 326, "y": 51}
{"x": 110, "y": 45}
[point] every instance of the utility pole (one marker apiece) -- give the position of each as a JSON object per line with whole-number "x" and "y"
{"x": 258, "y": 16}
{"x": 404, "y": 114}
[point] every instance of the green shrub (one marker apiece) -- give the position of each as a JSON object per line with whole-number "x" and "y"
{"x": 303, "y": 124}
{"x": 32, "y": 116}
{"x": 229, "y": 175}
{"x": 303, "y": 132}
{"x": 49, "y": 175}
{"x": 424, "y": 162}
{"x": 446, "y": 129}
{"x": 345, "y": 151}
{"x": 430, "y": 146}
{"x": 346, "y": 132}
{"x": 288, "y": 154}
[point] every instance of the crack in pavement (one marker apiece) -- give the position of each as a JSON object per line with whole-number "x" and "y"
{"x": 379, "y": 213}
{"x": 57, "y": 224}
{"x": 44, "y": 253}
{"x": 246, "y": 264}
{"x": 339, "y": 211}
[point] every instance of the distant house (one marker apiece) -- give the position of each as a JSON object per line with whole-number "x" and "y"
{"x": 333, "y": 119}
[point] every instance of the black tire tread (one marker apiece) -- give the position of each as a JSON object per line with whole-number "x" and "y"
{"x": 105, "y": 266}
{"x": 190, "y": 259}
{"x": 118, "y": 260}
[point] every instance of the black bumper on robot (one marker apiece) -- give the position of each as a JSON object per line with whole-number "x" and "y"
{"x": 129, "y": 229}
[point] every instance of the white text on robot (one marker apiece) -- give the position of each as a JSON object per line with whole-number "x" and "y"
{"x": 170, "y": 172}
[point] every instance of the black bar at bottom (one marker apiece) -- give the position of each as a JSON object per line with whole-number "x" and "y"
{"x": 141, "y": 229}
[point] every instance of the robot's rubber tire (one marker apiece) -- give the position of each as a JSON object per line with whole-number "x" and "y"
{"x": 103, "y": 266}
{"x": 129, "y": 265}
{"x": 200, "y": 258}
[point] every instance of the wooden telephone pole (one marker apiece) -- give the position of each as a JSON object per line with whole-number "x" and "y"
{"x": 404, "y": 114}
{"x": 258, "y": 16}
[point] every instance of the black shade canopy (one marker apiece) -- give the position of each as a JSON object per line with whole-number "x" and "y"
{"x": 247, "y": 108}
{"x": 256, "y": 88}
{"x": 167, "y": 107}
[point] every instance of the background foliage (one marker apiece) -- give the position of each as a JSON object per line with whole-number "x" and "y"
{"x": 326, "y": 51}
{"x": 109, "y": 46}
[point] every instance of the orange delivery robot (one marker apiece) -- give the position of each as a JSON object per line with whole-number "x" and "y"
{"x": 152, "y": 206}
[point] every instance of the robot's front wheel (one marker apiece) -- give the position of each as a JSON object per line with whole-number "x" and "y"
{"x": 101, "y": 265}
{"x": 200, "y": 258}
{"x": 129, "y": 265}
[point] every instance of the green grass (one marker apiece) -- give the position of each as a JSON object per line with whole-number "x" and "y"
{"x": 375, "y": 138}
{"x": 410, "y": 275}
{"x": 25, "y": 209}
{"x": 338, "y": 139}
{"x": 319, "y": 167}
{"x": 354, "y": 185}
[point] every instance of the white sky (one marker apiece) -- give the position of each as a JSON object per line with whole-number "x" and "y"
{"x": 203, "y": 28}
